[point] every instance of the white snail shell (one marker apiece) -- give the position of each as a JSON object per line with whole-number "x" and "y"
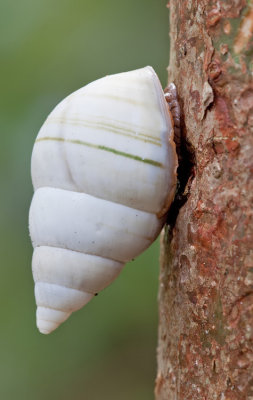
{"x": 104, "y": 173}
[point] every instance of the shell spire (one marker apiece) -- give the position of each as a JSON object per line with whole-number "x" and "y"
{"x": 103, "y": 168}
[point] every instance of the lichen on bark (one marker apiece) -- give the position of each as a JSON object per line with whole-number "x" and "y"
{"x": 205, "y": 346}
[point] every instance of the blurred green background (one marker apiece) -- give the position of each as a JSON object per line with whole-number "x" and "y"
{"x": 107, "y": 350}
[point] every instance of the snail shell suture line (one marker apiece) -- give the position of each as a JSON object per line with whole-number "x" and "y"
{"x": 103, "y": 167}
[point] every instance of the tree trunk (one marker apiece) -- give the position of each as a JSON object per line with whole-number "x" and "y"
{"x": 206, "y": 280}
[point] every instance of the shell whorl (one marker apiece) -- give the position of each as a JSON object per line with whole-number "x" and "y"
{"x": 103, "y": 167}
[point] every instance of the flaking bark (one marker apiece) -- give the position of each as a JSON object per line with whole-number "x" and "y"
{"x": 205, "y": 347}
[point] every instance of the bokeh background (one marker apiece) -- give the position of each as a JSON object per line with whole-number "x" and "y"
{"x": 107, "y": 350}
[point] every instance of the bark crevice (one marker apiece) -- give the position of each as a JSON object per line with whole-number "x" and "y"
{"x": 185, "y": 174}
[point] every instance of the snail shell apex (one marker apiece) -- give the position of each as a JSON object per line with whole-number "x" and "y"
{"x": 104, "y": 173}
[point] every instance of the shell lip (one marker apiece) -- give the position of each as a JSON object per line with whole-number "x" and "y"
{"x": 170, "y": 124}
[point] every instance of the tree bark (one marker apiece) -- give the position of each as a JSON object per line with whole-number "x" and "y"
{"x": 206, "y": 280}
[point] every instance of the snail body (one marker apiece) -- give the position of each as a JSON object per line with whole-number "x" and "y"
{"x": 104, "y": 174}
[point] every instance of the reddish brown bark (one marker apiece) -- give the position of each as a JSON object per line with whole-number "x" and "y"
{"x": 205, "y": 346}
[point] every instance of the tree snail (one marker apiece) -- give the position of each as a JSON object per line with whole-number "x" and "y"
{"x": 104, "y": 173}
